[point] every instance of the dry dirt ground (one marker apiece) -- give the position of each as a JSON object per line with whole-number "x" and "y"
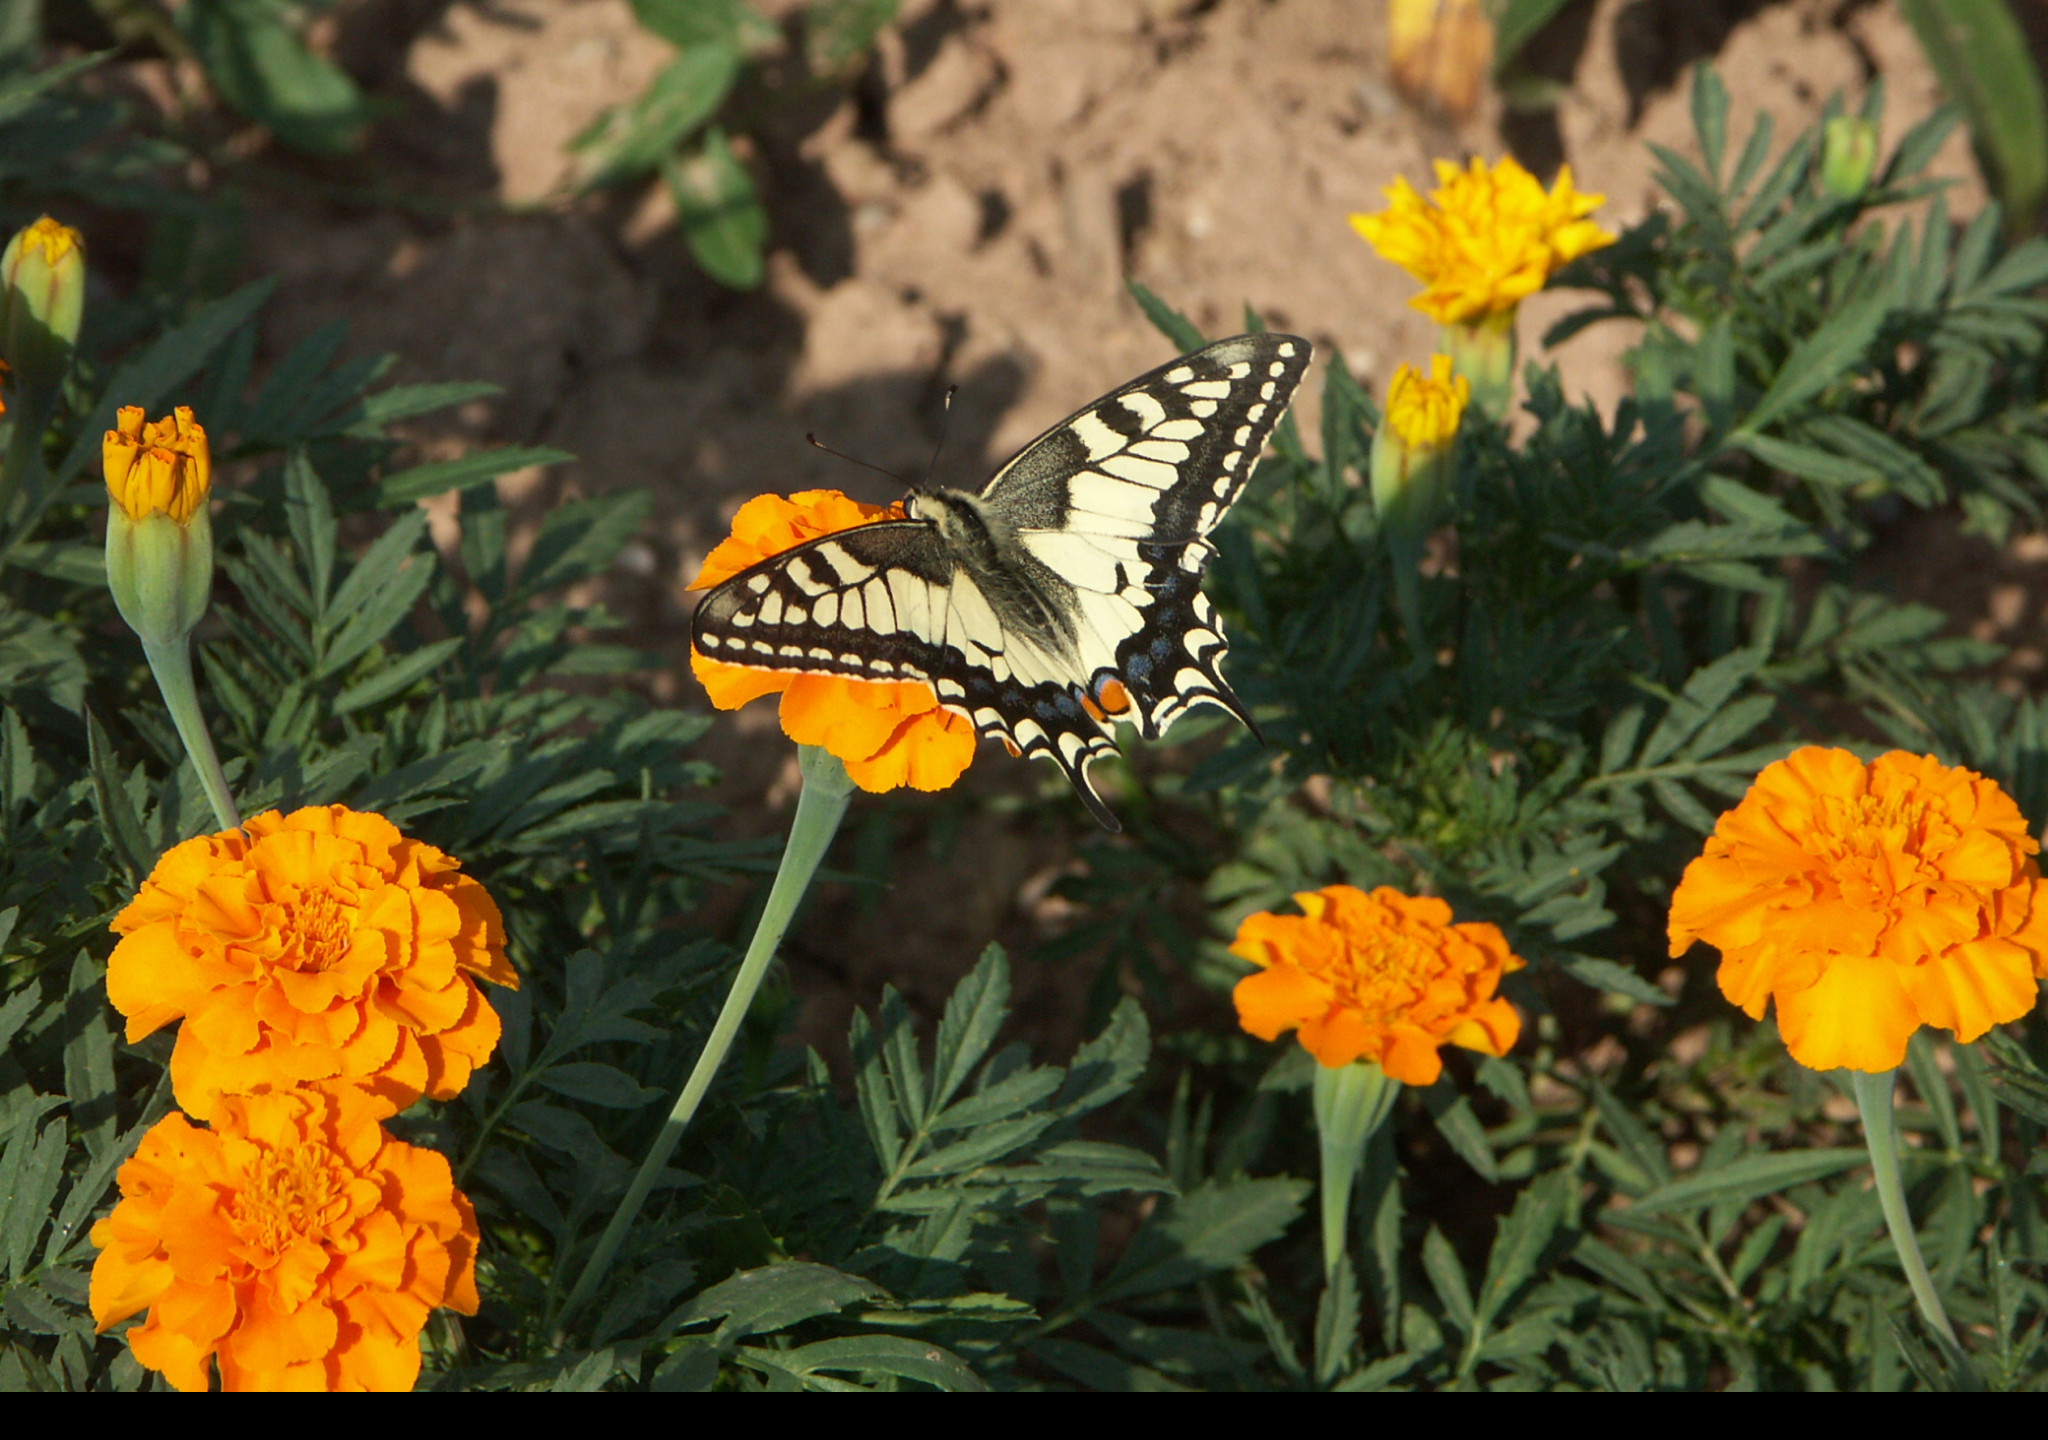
{"x": 965, "y": 216}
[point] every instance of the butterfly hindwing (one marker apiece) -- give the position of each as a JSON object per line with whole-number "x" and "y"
{"x": 1070, "y": 591}
{"x": 886, "y": 602}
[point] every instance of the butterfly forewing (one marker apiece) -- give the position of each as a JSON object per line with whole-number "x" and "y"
{"x": 1101, "y": 519}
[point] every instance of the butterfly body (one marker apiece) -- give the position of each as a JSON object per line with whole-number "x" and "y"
{"x": 1066, "y": 593}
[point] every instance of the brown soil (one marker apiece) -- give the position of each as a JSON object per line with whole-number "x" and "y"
{"x": 965, "y": 215}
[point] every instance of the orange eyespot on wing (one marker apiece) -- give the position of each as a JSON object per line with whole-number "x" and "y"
{"x": 1112, "y": 697}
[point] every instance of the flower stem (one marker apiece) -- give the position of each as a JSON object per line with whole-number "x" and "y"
{"x": 1350, "y": 1103}
{"x": 1874, "y": 1099}
{"x": 172, "y": 666}
{"x": 819, "y": 809}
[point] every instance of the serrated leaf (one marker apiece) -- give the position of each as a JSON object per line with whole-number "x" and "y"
{"x": 398, "y": 676}
{"x": 1214, "y": 1227}
{"x": 897, "y": 1355}
{"x": 774, "y": 1297}
{"x": 1842, "y": 341}
{"x": 597, "y": 1084}
{"x": 1447, "y": 1278}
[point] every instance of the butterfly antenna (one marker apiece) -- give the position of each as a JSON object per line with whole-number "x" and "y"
{"x": 852, "y": 460}
{"x": 945, "y": 423}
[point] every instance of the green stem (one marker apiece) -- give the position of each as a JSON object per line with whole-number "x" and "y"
{"x": 819, "y": 809}
{"x": 1874, "y": 1099}
{"x": 1351, "y": 1101}
{"x": 172, "y": 666}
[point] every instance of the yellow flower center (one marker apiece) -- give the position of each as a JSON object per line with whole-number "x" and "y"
{"x": 290, "y": 1194}
{"x": 324, "y": 930}
{"x": 53, "y": 239}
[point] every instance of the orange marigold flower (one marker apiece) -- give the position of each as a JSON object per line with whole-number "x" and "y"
{"x": 295, "y": 1242}
{"x": 1486, "y": 239}
{"x": 1869, "y": 900}
{"x": 316, "y": 946}
{"x": 1384, "y": 977}
{"x": 888, "y": 733}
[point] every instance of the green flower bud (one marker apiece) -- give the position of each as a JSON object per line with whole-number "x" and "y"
{"x": 159, "y": 535}
{"x": 43, "y": 272}
{"x": 1848, "y": 155}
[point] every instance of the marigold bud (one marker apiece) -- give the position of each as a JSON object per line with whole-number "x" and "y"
{"x": 159, "y": 534}
{"x": 43, "y": 299}
{"x": 1848, "y": 155}
{"x": 1411, "y": 451}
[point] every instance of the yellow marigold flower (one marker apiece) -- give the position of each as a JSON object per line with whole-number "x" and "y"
{"x": 312, "y": 947}
{"x": 160, "y": 468}
{"x": 1486, "y": 239}
{"x": 1869, "y": 900}
{"x": 1383, "y": 976}
{"x": 888, "y": 733}
{"x": 1425, "y": 410}
{"x": 295, "y": 1243}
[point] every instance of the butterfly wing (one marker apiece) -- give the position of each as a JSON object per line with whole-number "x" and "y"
{"x": 1117, "y": 499}
{"x": 1110, "y": 507}
{"x": 887, "y": 602}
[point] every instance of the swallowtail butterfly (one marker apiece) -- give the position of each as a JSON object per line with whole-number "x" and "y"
{"x": 1066, "y": 592}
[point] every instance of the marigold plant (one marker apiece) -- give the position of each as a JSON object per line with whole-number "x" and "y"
{"x": 1377, "y": 976}
{"x": 296, "y": 1243}
{"x": 888, "y": 733}
{"x": 1869, "y": 900}
{"x": 317, "y": 946}
{"x": 1485, "y": 239}
{"x": 1425, "y": 410}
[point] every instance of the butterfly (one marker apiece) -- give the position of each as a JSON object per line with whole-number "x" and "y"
{"x": 1065, "y": 594}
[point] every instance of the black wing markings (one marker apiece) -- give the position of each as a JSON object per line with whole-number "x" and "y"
{"x": 878, "y": 602}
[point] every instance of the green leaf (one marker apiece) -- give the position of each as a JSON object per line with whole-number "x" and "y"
{"x": 1518, "y": 22}
{"x": 169, "y": 361}
{"x": 839, "y": 32}
{"x": 756, "y": 1302}
{"x": 1214, "y": 1227}
{"x": 1982, "y": 56}
{"x": 597, "y": 1085}
{"x": 1098, "y": 1370}
{"x": 260, "y": 66}
{"x": 1747, "y": 1179}
{"x": 1447, "y": 1277}
{"x": 1520, "y": 1244}
{"x": 89, "y": 1056}
{"x": 118, "y": 820}
{"x": 1607, "y": 975}
{"x": 1460, "y": 1127}
{"x": 974, "y": 1013}
{"x": 1337, "y": 1315}
{"x": 31, "y": 1168}
{"x": 1169, "y": 321}
{"x": 1839, "y": 345}
{"x": 684, "y": 23}
{"x": 1706, "y": 690}
{"x": 897, "y": 1355}
{"x": 722, "y": 218}
{"x": 399, "y": 676}
{"x": 632, "y": 139}
{"x": 423, "y": 482}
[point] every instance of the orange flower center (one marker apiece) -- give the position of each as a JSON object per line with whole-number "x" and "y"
{"x": 1385, "y": 982}
{"x": 290, "y": 1194}
{"x": 1862, "y": 839}
{"x": 323, "y": 929}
